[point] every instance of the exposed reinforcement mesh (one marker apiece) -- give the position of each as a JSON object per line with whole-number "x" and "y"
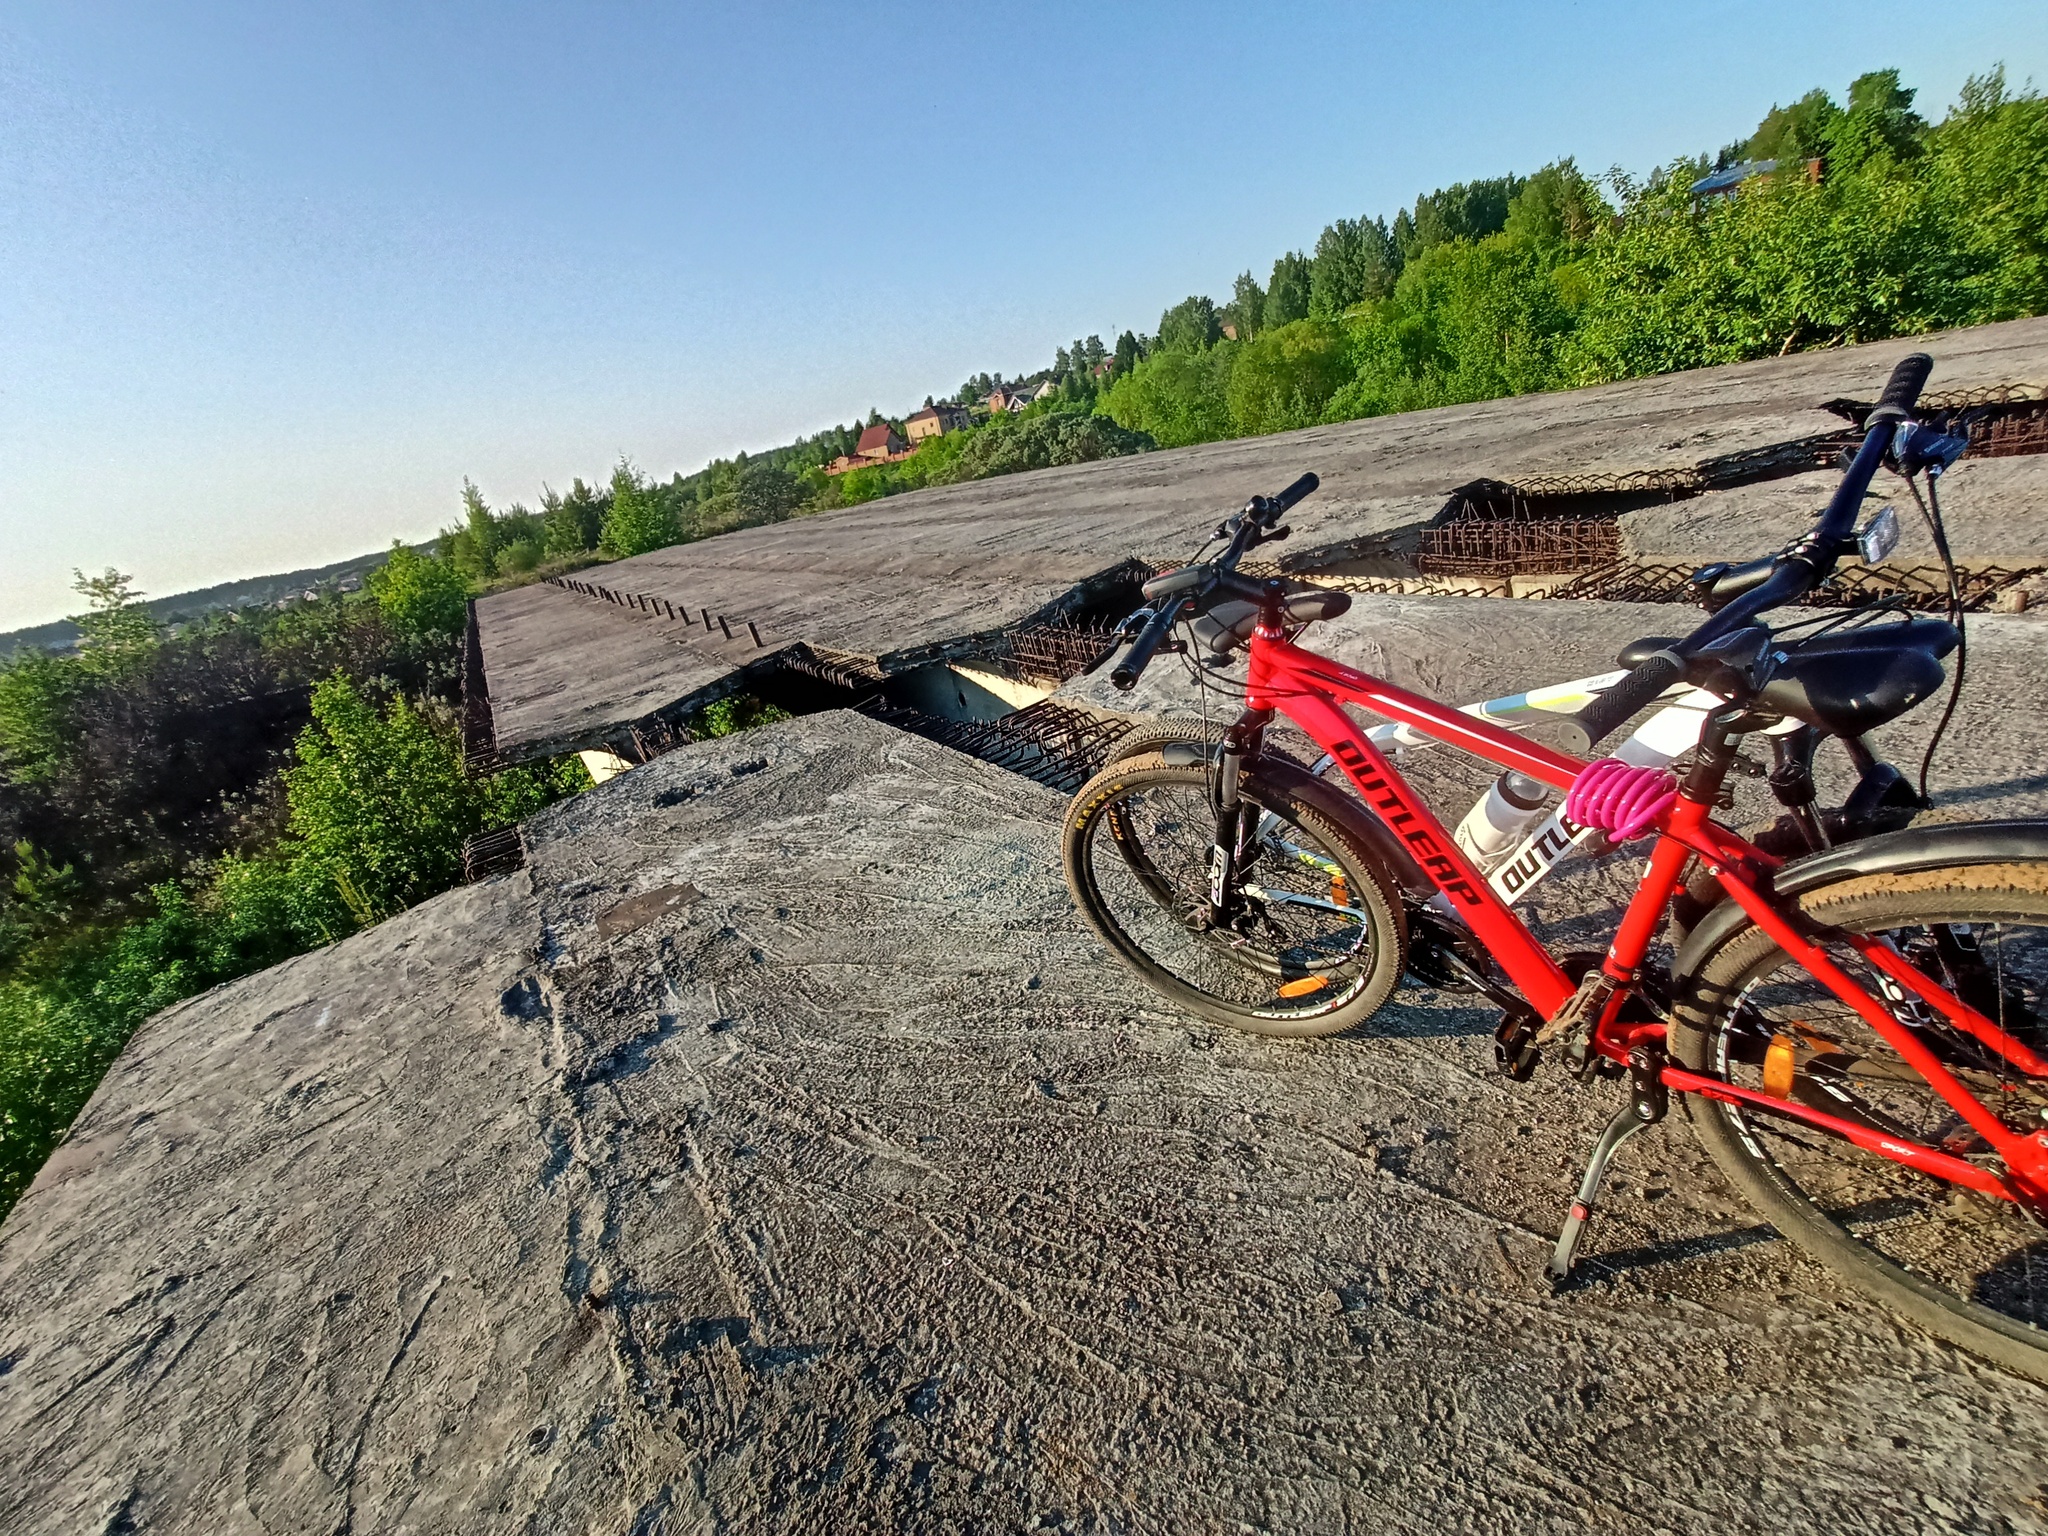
{"x": 1503, "y": 548}
{"x": 1926, "y": 591}
{"x": 1055, "y": 651}
{"x": 1055, "y": 744}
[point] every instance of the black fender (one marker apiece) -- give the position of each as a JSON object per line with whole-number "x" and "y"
{"x": 1283, "y": 772}
{"x": 1889, "y": 853}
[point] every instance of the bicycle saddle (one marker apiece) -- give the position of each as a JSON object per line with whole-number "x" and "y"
{"x": 1846, "y": 681}
{"x": 1228, "y": 626}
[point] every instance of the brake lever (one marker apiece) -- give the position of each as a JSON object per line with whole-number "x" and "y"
{"x": 1130, "y": 625}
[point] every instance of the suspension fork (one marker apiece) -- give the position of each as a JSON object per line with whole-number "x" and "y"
{"x": 1242, "y": 744}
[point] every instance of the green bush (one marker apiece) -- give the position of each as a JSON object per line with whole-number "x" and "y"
{"x": 742, "y": 712}
{"x": 379, "y": 810}
{"x": 1042, "y": 439}
{"x": 639, "y": 519}
{"x": 1285, "y": 378}
{"x": 418, "y": 594}
{"x": 1175, "y": 397}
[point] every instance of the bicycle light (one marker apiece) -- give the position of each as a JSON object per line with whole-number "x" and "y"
{"x": 1880, "y": 536}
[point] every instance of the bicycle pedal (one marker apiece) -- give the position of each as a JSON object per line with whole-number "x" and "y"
{"x": 1580, "y": 1011}
{"x": 1514, "y": 1047}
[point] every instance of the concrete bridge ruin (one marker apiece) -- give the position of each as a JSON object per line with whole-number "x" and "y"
{"x": 775, "y": 1151}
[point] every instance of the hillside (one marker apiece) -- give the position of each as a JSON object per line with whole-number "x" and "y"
{"x": 249, "y": 592}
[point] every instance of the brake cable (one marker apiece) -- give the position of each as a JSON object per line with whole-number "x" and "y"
{"x": 1931, "y": 515}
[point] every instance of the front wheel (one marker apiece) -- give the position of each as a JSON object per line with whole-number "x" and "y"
{"x": 1316, "y": 941}
{"x": 1968, "y": 1268}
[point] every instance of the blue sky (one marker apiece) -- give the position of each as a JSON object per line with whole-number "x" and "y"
{"x": 274, "y": 278}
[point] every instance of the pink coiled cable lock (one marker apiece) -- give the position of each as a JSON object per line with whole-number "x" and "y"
{"x": 1620, "y": 799}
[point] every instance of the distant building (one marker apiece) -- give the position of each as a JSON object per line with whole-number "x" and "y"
{"x": 934, "y": 421}
{"x": 878, "y": 443}
{"x": 1045, "y": 389}
{"x": 1006, "y": 399}
{"x": 1229, "y": 331}
{"x": 1724, "y": 182}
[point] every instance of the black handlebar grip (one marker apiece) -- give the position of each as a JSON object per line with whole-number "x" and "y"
{"x": 1139, "y": 656}
{"x": 1294, "y": 493}
{"x": 1902, "y": 389}
{"x": 1621, "y": 701}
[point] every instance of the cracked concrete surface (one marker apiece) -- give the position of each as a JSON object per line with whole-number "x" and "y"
{"x": 776, "y": 1152}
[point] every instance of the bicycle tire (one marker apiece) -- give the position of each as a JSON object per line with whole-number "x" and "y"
{"x": 1140, "y": 814}
{"x": 1153, "y": 735}
{"x": 1914, "y": 1247}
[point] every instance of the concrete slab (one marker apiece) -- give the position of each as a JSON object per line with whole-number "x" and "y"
{"x": 777, "y": 1151}
{"x": 1996, "y": 511}
{"x": 892, "y": 576}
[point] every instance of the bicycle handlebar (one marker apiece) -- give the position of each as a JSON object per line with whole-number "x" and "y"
{"x": 1795, "y": 573}
{"x": 1139, "y": 656}
{"x": 1172, "y": 591}
{"x": 1902, "y": 389}
{"x": 1286, "y": 499}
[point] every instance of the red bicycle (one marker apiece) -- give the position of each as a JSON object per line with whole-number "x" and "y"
{"x": 1858, "y": 1034}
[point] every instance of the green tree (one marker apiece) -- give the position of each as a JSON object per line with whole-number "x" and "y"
{"x": 765, "y": 493}
{"x": 1355, "y": 260}
{"x": 473, "y": 544}
{"x": 36, "y": 691}
{"x": 117, "y": 629}
{"x": 1471, "y": 210}
{"x": 1246, "y": 311}
{"x": 419, "y": 595}
{"x": 381, "y": 806}
{"x": 638, "y": 521}
{"x": 1190, "y": 326}
{"x": 1288, "y": 291}
{"x": 1986, "y": 172}
{"x": 573, "y": 524}
{"x": 1175, "y": 397}
{"x": 1557, "y": 206}
{"x": 1044, "y": 440}
{"x": 1799, "y": 132}
{"x": 1880, "y": 124}
{"x": 1286, "y": 377}
{"x": 1785, "y": 264}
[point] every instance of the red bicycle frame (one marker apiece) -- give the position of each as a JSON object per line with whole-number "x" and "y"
{"x": 1308, "y": 688}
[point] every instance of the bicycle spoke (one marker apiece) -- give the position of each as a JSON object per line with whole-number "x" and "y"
{"x": 1976, "y": 1248}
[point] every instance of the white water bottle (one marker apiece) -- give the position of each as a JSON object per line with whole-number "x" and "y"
{"x": 1491, "y": 830}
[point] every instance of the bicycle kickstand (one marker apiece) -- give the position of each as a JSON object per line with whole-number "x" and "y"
{"x": 1648, "y": 1100}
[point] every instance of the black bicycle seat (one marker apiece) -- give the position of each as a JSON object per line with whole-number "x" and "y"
{"x": 1846, "y": 681}
{"x": 1849, "y": 681}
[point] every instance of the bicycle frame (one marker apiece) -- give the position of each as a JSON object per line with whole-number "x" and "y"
{"x": 1308, "y": 688}
{"x": 1672, "y": 730}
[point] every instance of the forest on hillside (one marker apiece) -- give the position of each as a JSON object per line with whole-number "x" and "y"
{"x": 179, "y": 808}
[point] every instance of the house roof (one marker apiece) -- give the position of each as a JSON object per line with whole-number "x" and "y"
{"x": 876, "y": 436}
{"x": 1733, "y": 176}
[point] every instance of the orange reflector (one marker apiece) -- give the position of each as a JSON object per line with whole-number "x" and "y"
{"x": 1340, "y": 891}
{"x": 1781, "y": 1061}
{"x": 1303, "y": 986}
